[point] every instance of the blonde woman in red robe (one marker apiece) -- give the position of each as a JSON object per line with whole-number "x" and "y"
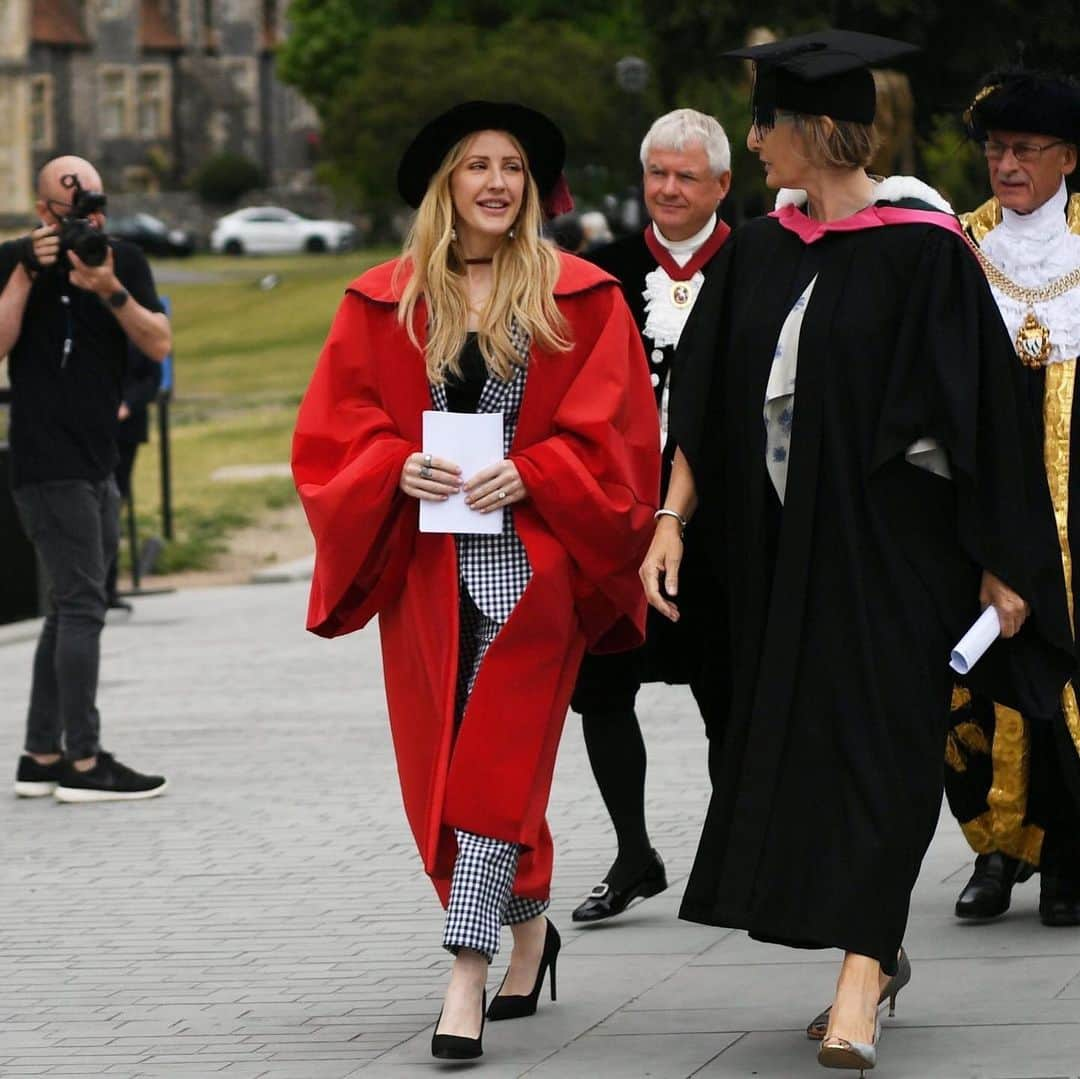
{"x": 482, "y": 635}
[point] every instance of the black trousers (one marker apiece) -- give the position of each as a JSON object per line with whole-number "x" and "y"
{"x": 73, "y": 525}
{"x": 610, "y": 684}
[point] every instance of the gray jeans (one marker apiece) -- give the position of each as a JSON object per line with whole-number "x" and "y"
{"x": 74, "y": 528}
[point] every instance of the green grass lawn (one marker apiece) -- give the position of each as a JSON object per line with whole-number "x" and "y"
{"x": 242, "y": 359}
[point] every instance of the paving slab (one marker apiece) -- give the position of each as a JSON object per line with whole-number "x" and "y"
{"x": 267, "y": 918}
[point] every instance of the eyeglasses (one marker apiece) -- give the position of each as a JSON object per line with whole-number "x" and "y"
{"x": 1024, "y": 152}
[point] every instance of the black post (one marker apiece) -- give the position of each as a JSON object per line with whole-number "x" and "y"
{"x": 133, "y": 540}
{"x": 166, "y": 467}
{"x": 164, "y": 396}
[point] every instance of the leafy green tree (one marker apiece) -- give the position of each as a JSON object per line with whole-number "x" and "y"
{"x": 328, "y": 39}
{"x": 374, "y": 69}
{"x": 958, "y": 42}
{"x": 954, "y": 164}
{"x": 407, "y": 73}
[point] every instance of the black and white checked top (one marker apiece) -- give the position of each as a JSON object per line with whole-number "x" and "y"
{"x": 495, "y": 569}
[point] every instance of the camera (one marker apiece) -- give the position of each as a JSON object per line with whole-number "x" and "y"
{"x": 76, "y": 232}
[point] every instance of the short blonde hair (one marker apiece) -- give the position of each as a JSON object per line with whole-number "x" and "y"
{"x": 844, "y": 145}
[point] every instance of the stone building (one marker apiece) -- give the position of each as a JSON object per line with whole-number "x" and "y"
{"x": 147, "y": 90}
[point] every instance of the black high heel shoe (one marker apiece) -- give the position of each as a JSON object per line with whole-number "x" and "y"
{"x": 454, "y": 1046}
{"x": 517, "y": 1007}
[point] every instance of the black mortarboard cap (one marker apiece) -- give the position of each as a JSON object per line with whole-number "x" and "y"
{"x": 1017, "y": 99}
{"x": 823, "y": 73}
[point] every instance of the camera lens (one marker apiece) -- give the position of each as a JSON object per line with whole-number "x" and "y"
{"x": 78, "y": 235}
{"x": 92, "y": 247}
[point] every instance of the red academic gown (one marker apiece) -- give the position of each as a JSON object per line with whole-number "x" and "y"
{"x": 586, "y": 449}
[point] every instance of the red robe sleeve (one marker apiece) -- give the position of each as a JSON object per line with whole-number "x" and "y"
{"x": 347, "y": 457}
{"x": 595, "y": 481}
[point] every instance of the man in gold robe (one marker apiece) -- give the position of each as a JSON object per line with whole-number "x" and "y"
{"x": 1013, "y": 781}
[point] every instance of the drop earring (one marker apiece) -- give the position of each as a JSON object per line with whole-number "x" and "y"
{"x": 512, "y": 233}
{"x": 453, "y": 234}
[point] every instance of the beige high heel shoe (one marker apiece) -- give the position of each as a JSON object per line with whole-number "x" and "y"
{"x": 820, "y": 1023}
{"x": 836, "y": 1052}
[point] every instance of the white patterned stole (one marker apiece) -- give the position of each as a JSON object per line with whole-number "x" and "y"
{"x": 779, "y": 411}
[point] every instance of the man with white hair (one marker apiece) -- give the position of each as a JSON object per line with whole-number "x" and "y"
{"x": 686, "y": 161}
{"x": 1013, "y": 780}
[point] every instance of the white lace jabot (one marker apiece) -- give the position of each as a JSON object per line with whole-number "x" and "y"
{"x": 1034, "y": 249}
{"x": 664, "y": 321}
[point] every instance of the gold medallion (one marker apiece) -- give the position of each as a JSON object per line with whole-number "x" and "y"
{"x": 681, "y": 295}
{"x": 1033, "y": 341}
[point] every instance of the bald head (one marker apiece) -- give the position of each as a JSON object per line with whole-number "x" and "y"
{"x": 50, "y": 188}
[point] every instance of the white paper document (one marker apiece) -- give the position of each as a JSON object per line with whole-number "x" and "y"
{"x": 970, "y": 648}
{"x": 472, "y": 441}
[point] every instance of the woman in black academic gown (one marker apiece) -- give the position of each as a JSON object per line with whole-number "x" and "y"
{"x": 849, "y": 417}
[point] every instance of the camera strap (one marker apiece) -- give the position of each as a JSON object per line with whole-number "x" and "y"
{"x": 69, "y": 336}
{"x": 24, "y": 247}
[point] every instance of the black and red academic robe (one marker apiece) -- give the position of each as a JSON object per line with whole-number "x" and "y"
{"x": 683, "y": 652}
{"x": 586, "y": 449}
{"x": 844, "y": 602}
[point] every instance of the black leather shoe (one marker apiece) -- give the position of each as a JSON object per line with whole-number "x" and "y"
{"x": 1059, "y": 900}
{"x": 989, "y": 892}
{"x": 604, "y": 901}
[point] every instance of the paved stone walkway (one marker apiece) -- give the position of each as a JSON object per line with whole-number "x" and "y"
{"x": 267, "y": 917}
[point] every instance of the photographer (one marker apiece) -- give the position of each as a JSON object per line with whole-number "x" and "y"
{"x": 71, "y": 305}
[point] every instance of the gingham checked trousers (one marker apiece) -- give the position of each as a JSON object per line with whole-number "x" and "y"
{"x": 481, "y": 900}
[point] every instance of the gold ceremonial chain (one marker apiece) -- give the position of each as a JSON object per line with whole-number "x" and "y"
{"x": 1058, "y": 287}
{"x": 1033, "y": 338}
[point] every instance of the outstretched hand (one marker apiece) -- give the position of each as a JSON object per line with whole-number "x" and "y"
{"x": 661, "y": 567}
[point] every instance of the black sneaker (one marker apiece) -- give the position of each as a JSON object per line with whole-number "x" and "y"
{"x": 107, "y": 781}
{"x": 33, "y": 780}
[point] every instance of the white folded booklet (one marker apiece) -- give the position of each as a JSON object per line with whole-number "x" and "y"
{"x": 471, "y": 440}
{"x": 971, "y": 647}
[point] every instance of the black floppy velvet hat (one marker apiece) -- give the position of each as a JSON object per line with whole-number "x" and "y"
{"x": 1019, "y": 99}
{"x": 542, "y": 141}
{"x": 823, "y": 73}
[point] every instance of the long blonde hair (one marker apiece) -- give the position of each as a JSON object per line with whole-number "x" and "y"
{"x": 524, "y": 272}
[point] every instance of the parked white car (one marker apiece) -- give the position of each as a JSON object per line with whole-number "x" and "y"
{"x": 266, "y": 230}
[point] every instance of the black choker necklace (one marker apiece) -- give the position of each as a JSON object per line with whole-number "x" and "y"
{"x": 480, "y": 262}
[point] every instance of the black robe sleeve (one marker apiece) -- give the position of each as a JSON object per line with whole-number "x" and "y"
{"x": 954, "y": 363}
{"x": 695, "y": 406}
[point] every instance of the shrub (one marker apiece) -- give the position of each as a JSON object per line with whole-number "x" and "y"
{"x": 225, "y": 177}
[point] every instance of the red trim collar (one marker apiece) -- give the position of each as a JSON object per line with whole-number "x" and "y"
{"x": 384, "y": 284}
{"x": 701, "y": 256}
{"x": 810, "y": 231}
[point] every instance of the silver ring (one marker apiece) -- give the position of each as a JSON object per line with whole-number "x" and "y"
{"x": 427, "y": 460}
{"x": 425, "y": 472}
{"x": 501, "y": 495}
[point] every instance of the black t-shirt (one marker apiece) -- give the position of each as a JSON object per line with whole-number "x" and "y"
{"x": 63, "y": 408}
{"x": 463, "y": 394}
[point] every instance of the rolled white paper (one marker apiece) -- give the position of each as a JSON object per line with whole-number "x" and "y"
{"x": 970, "y": 648}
